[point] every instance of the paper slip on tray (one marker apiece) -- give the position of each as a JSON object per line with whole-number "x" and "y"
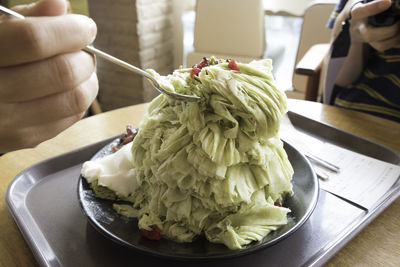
{"x": 362, "y": 173}
{"x": 43, "y": 202}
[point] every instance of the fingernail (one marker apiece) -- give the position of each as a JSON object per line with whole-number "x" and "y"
{"x": 93, "y": 30}
{"x": 384, "y": 4}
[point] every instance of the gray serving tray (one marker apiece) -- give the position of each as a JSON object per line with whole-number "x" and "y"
{"x": 43, "y": 201}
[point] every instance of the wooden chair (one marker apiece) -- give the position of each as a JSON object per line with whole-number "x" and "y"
{"x": 312, "y": 49}
{"x": 286, "y": 7}
{"x": 228, "y": 29}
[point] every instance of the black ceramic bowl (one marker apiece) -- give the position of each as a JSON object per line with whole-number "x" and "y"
{"x": 125, "y": 231}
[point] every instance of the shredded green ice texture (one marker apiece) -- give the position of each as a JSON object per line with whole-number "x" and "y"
{"x": 217, "y": 166}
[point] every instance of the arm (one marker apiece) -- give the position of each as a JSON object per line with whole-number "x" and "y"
{"x": 363, "y": 37}
{"x": 46, "y": 80}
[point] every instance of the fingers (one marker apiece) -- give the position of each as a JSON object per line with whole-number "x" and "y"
{"x": 46, "y": 81}
{"x": 376, "y": 34}
{"x": 360, "y": 11}
{"x": 50, "y": 108}
{"x": 47, "y": 77}
{"x": 386, "y": 44}
{"x": 43, "y": 8}
{"x": 36, "y": 38}
{"x": 29, "y": 123}
{"x": 27, "y": 137}
{"x": 380, "y": 38}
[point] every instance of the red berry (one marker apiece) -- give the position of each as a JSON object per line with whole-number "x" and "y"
{"x": 232, "y": 65}
{"x": 154, "y": 234}
{"x": 195, "y": 71}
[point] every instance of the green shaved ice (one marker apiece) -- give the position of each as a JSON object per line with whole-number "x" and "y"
{"x": 126, "y": 210}
{"x": 106, "y": 193}
{"x": 102, "y": 191}
{"x": 214, "y": 167}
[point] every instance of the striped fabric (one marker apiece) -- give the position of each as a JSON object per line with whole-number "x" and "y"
{"x": 339, "y": 7}
{"x": 377, "y": 90}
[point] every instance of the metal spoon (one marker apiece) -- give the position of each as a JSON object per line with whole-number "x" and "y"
{"x": 119, "y": 62}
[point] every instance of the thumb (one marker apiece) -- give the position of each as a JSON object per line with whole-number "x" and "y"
{"x": 361, "y": 11}
{"x": 43, "y": 8}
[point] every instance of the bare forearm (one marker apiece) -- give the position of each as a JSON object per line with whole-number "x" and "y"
{"x": 353, "y": 65}
{"x": 355, "y": 59}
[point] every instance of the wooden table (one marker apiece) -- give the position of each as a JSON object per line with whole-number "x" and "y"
{"x": 377, "y": 245}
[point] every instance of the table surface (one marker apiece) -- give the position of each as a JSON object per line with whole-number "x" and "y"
{"x": 377, "y": 245}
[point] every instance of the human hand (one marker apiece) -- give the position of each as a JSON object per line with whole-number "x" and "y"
{"x": 46, "y": 81}
{"x": 380, "y": 38}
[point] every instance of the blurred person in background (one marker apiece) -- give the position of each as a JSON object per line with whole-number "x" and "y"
{"x": 369, "y": 80}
